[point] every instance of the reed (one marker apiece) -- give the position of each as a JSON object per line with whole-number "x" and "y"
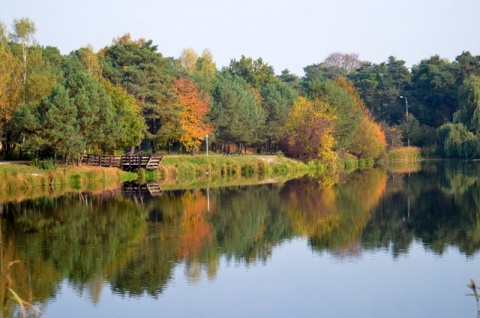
{"x": 404, "y": 154}
{"x": 10, "y": 293}
{"x": 18, "y": 179}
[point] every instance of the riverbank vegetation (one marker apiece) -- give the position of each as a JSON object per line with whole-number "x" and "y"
{"x": 19, "y": 181}
{"x": 127, "y": 97}
{"x": 42, "y": 178}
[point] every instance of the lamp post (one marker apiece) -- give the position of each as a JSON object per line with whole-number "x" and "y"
{"x": 206, "y": 142}
{"x": 406, "y": 118}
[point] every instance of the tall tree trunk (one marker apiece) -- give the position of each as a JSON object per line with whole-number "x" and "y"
{"x": 153, "y": 131}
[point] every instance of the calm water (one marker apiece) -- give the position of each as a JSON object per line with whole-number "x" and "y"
{"x": 377, "y": 244}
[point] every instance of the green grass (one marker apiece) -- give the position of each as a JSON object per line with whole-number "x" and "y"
{"x": 18, "y": 181}
{"x": 186, "y": 166}
{"x": 184, "y": 171}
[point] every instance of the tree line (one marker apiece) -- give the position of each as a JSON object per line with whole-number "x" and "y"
{"x": 129, "y": 96}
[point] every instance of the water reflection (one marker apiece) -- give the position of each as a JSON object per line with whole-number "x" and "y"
{"x": 438, "y": 206}
{"x": 133, "y": 240}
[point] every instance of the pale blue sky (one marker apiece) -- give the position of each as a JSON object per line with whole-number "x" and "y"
{"x": 285, "y": 33}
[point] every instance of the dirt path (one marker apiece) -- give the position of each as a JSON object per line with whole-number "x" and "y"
{"x": 268, "y": 159}
{"x": 18, "y": 162}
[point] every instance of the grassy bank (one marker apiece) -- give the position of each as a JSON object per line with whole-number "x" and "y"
{"x": 218, "y": 166}
{"x": 183, "y": 171}
{"x": 19, "y": 181}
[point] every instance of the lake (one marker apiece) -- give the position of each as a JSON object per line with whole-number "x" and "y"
{"x": 373, "y": 243}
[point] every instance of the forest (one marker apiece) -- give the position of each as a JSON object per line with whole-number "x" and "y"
{"x": 128, "y": 97}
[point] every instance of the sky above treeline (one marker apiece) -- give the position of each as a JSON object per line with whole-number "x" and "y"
{"x": 287, "y": 34}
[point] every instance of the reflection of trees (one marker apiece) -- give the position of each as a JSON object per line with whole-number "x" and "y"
{"x": 242, "y": 223}
{"x": 91, "y": 239}
{"x": 150, "y": 265}
{"x": 248, "y": 222}
{"x": 310, "y": 207}
{"x": 439, "y": 205}
{"x": 23, "y": 277}
{"x": 75, "y": 237}
{"x": 178, "y": 230}
{"x": 333, "y": 218}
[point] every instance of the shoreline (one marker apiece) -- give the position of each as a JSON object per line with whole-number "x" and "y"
{"x": 20, "y": 180}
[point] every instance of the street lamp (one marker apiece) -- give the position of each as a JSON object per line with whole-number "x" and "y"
{"x": 406, "y": 118}
{"x": 206, "y": 142}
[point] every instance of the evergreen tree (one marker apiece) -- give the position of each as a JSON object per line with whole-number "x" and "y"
{"x": 278, "y": 98}
{"x": 255, "y": 72}
{"x": 236, "y": 111}
{"x": 97, "y": 120}
{"x": 147, "y": 75}
{"x": 380, "y": 85}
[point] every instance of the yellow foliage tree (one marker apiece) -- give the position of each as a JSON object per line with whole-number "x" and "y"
{"x": 11, "y": 86}
{"x": 309, "y": 130}
{"x": 188, "y": 60}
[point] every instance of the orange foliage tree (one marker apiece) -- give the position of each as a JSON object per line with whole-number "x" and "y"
{"x": 197, "y": 231}
{"x": 193, "y": 105}
{"x": 369, "y": 139}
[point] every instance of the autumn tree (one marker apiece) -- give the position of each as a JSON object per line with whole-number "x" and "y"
{"x": 205, "y": 71}
{"x": 24, "y": 76}
{"x": 196, "y": 230}
{"x": 23, "y": 31}
{"x": 347, "y": 113}
{"x": 188, "y": 60}
{"x": 11, "y": 90}
{"x": 309, "y": 130}
{"x": 193, "y": 106}
{"x": 368, "y": 138}
{"x": 90, "y": 61}
{"x": 3, "y": 33}
{"x": 41, "y": 79}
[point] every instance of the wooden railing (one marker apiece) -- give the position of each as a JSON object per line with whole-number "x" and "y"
{"x": 132, "y": 189}
{"x": 127, "y": 163}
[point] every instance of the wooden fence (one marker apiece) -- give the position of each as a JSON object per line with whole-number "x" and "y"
{"x": 127, "y": 163}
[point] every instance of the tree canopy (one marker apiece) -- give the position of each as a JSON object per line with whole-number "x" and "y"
{"x": 128, "y": 95}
